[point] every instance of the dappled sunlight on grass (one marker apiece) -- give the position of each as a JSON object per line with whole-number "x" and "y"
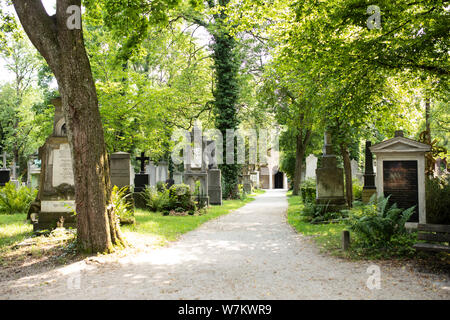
{"x": 14, "y": 228}
{"x": 327, "y": 236}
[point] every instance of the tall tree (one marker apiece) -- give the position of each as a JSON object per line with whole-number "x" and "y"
{"x": 65, "y": 53}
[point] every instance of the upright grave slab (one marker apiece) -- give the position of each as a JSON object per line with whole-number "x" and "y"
{"x": 196, "y": 167}
{"x": 56, "y": 198}
{"x": 311, "y": 167}
{"x": 214, "y": 175}
{"x": 5, "y": 173}
{"x": 34, "y": 172}
{"x": 120, "y": 166}
{"x": 141, "y": 179}
{"x": 330, "y": 180}
{"x": 401, "y": 174}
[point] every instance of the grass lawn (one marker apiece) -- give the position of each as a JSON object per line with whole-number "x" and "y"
{"x": 327, "y": 236}
{"x": 13, "y": 229}
{"x": 169, "y": 228}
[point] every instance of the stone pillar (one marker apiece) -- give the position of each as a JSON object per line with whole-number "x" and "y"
{"x": 330, "y": 180}
{"x": 369, "y": 188}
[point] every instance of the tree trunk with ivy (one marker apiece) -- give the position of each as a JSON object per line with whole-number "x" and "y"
{"x": 64, "y": 50}
{"x": 226, "y": 94}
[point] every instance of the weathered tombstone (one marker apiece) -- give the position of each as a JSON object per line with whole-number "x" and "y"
{"x": 162, "y": 172}
{"x": 330, "y": 180}
{"x": 356, "y": 173}
{"x": 214, "y": 175}
{"x": 196, "y": 170}
{"x": 34, "y": 173}
{"x": 5, "y": 173}
{"x": 369, "y": 188}
{"x": 178, "y": 177}
{"x": 56, "y": 197}
{"x": 401, "y": 174}
{"x": 14, "y": 176}
{"x": 120, "y": 166}
{"x": 255, "y": 179}
{"x": 141, "y": 179}
{"x": 151, "y": 170}
{"x": 311, "y": 167}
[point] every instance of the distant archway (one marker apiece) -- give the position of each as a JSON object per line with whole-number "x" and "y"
{"x": 279, "y": 180}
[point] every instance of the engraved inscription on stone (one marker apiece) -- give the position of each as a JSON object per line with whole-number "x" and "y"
{"x": 58, "y": 206}
{"x": 401, "y": 183}
{"x": 62, "y": 166}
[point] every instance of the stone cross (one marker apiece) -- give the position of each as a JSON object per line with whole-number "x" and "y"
{"x": 143, "y": 159}
{"x": 14, "y": 167}
{"x": 4, "y": 155}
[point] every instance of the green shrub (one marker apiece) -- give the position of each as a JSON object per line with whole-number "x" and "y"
{"x": 314, "y": 213}
{"x": 376, "y": 223}
{"x": 357, "y": 190}
{"x": 438, "y": 201}
{"x": 308, "y": 190}
{"x": 156, "y": 200}
{"x": 121, "y": 204}
{"x": 180, "y": 200}
{"x": 242, "y": 193}
{"x": 14, "y": 200}
{"x": 161, "y": 186}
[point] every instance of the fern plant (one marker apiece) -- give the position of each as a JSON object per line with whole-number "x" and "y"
{"x": 121, "y": 205}
{"x": 14, "y": 200}
{"x": 377, "y": 222}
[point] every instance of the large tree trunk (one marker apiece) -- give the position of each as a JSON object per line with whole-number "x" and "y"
{"x": 348, "y": 175}
{"x": 302, "y": 143}
{"x": 65, "y": 53}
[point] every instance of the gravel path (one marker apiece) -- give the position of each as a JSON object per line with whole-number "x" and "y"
{"x": 251, "y": 253}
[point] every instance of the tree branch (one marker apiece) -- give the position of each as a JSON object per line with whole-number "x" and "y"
{"x": 39, "y": 26}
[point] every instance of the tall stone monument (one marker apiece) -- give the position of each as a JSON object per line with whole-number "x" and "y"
{"x": 214, "y": 176}
{"x": 330, "y": 180}
{"x": 196, "y": 169}
{"x": 56, "y": 198}
{"x": 369, "y": 188}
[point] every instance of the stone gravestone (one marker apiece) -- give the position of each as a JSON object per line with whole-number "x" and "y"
{"x": 56, "y": 197}
{"x": 141, "y": 179}
{"x": 196, "y": 169}
{"x": 214, "y": 175}
{"x": 120, "y": 166}
{"x": 5, "y": 173}
{"x": 401, "y": 174}
{"x": 356, "y": 173}
{"x": 178, "y": 177}
{"x": 34, "y": 173}
{"x": 311, "y": 167}
{"x": 369, "y": 188}
{"x": 14, "y": 175}
{"x": 330, "y": 180}
{"x": 254, "y": 176}
{"x": 151, "y": 170}
{"x": 162, "y": 172}
{"x": 120, "y": 171}
{"x": 247, "y": 184}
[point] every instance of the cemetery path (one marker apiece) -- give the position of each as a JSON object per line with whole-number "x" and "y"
{"x": 251, "y": 253}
